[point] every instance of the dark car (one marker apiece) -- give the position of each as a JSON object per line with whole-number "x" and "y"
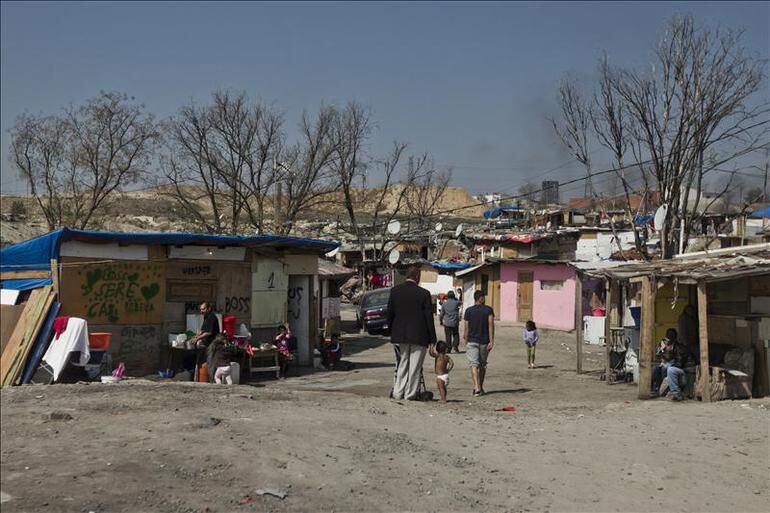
{"x": 372, "y": 312}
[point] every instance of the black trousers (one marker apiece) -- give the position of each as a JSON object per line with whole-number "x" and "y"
{"x": 452, "y": 335}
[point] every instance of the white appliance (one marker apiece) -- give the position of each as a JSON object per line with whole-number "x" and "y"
{"x": 593, "y": 330}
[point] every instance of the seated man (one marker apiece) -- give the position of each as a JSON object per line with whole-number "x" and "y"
{"x": 664, "y": 353}
{"x": 674, "y": 359}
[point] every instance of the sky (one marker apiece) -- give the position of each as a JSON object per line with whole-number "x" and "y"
{"x": 472, "y": 84}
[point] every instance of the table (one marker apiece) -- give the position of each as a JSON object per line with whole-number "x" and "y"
{"x": 263, "y": 357}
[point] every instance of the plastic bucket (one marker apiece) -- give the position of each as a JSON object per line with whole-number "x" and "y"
{"x": 99, "y": 341}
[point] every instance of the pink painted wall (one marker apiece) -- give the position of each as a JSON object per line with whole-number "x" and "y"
{"x": 551, "y": 308}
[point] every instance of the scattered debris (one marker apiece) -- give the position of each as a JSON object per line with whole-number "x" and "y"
{"x": 272, "y": 491}
{"x": 4, "y": 497}
{"x": 59, "y": 415}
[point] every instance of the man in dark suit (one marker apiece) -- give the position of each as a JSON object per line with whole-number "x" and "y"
{"x": 410, "y": 317}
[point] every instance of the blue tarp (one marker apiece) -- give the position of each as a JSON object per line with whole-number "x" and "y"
{"x": 760, "y": 213}
{"x": 497, "y": 212}
{"x": 36, "y": 254}
{"x": 457, "y": 266}
{"x": 640, "y": 220}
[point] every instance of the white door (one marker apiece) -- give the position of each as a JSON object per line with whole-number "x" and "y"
{"x": 299, "y": 315}
{"x": 469, "y": 287}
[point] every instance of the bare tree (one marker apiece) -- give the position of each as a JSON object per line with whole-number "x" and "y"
{"x": 305, "y": 173}
{"x": 219, "y": 161}
{"x": 609, "y": 121}
{"x": 575, "y": 132}
{"x": 693, "y": 112}
{"x": 575, "y": 125}
{"x": 39, "y": 149}
{"x": 351, "y": 130}
{"x": 426, "y": 189}
{"x": 75, "y": 163}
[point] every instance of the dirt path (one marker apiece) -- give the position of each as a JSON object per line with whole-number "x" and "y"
{"x": 334, "y": 442}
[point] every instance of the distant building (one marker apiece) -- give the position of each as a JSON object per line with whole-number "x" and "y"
{"x": 550, "y": 195}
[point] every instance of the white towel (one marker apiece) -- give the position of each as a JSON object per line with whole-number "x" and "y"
{"x": 74, "y": 338}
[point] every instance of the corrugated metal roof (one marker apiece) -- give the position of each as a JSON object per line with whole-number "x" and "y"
{"x": 327, "y": 269}
{"x": 725, "y": 265}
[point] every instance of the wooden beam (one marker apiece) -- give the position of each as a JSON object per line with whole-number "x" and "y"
{"x": 646, "y": 342}
{"x": 705, "y": 375}
{"x": 579, "y": 321}
{"x": 23, "y": 275}
{"x": 609, "y": 300}
{"x": 55, "y": 275}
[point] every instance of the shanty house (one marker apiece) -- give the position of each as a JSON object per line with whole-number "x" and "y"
{"x": 141, "y": 287}
{"x": 519, "y": 290}
{"x": 729, "y": 292}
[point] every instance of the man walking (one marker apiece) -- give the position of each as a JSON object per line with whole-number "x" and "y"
{"x": 450, "y": 319}
{"x": 479, "y": 338}
{"x": 410, "y": 317}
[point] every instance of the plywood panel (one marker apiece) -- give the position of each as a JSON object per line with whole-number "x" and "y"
{"x": 269, "y": 289}
{"x": 74, "y": 248}
{"x": 226, "y": 284}
{"x": 301, "y": 264}
{"x": 119, "y": 292}
{"x": 9, "y": 315}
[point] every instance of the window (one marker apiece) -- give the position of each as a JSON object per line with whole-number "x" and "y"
{"x": 551, "y": 284}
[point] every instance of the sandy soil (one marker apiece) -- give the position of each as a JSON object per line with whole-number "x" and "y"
{"x": 334, "y": 442}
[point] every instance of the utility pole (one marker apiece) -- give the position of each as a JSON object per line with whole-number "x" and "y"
{"x": 764, "y": 186}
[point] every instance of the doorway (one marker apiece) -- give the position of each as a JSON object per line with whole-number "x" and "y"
{"x": 524, "y": 296}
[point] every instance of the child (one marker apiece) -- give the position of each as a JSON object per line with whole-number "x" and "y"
{"x": 282, "y": 339}
{"x": 443, "y": 366}
{"x": 223, "y": 354}
{"x": 531, "y": 338}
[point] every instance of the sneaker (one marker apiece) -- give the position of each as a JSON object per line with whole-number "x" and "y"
{"x": 677, "y": 397}
{"x": 476, "y": 393}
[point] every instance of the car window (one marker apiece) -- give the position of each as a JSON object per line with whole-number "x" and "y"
{"x": 376, "y": 298}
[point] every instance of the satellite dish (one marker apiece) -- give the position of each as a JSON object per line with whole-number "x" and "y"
{"x": 439, "y": 226}
{"x": 394, "y": 227}
{"x": 394, "y": 256}
{"x": 660, "y": 217}
{"x": 333, "y": 252}
{"x": 459, "y": 230}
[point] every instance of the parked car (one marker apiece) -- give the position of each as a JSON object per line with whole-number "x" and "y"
{"x": 372, "y": 311}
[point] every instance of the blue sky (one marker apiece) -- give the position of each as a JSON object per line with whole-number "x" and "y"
{"x": 473, "y": 84}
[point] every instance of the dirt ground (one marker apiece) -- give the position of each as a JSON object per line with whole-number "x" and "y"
{"x": 333, "y": 441}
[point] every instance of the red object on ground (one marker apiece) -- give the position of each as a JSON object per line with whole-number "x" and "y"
{"x": 507, "y": 408}
{"x": 228, "y": 325}
{"x": 99, "y": 341}
{"x": 60, "y": 325}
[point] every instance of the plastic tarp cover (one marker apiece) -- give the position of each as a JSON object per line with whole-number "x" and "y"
{"x": 32, "y": 255}
{"x": 446, "y": 265}
{"x": 760, "y": 213}
{"x": 36, "y": 254}
{"x": 26, "y": 284}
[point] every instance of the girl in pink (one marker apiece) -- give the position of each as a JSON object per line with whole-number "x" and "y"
{"x": 281, "y": 341}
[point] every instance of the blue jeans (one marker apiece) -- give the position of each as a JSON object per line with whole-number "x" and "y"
{"x": 674, "y": 375}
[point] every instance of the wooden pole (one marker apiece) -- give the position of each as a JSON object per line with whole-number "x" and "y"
{"x": 646, "y": 342}
{"x": 705, "y": 375}
{"x": 55, "y": 275}
{"x": 609, "y": 300}
{"x": 579, "y": 321}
